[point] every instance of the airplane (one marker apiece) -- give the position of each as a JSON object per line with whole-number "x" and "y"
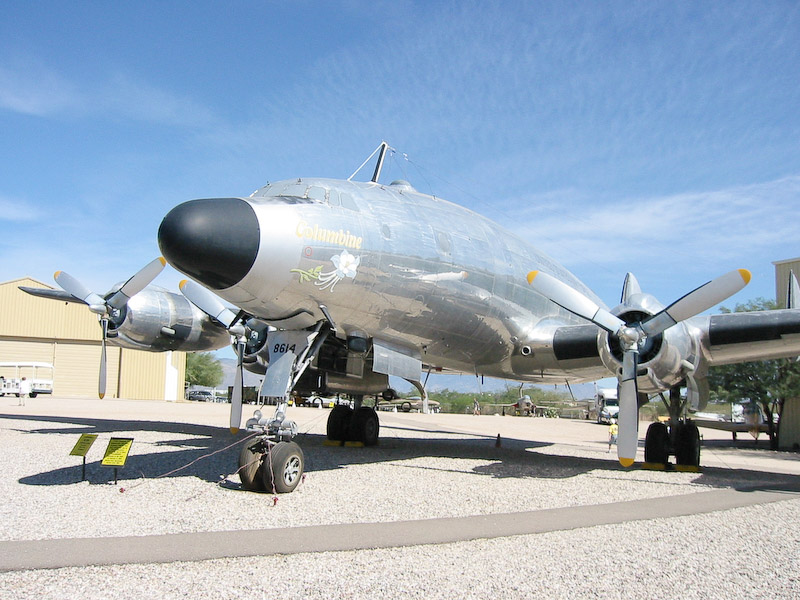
{"x": 139, "y": 316}
{"x": 337, "y": 284}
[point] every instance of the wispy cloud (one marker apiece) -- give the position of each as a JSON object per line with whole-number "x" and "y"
{"x": 12, "y": 209}
{"x": 37, "y": 90}
{"x": 664, "y": 239}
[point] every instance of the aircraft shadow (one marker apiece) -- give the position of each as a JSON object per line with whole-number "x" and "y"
{"x": 211, "y": 453}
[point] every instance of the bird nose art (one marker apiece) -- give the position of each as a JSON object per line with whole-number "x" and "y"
{"x": 213, "y": 241}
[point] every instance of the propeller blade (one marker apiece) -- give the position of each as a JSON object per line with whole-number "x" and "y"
{"x": 69, "y": 284}
{"x": 573, "y": 301}
{"x": 695, "y": 302}
{"x": 628, "y": 417}
{"x": 793, "y": 293}
{"x": 207, "y": 302}
{"x": 236, "y": 394}
{"x": 101, "y": 384}
{"x": 137, "y": 283}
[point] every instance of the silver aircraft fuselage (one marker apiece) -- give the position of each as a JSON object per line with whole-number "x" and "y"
{"x": 431, "y": 277}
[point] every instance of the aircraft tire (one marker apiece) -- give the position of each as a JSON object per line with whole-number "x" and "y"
{"x": 405, "y": 407}
{"x": 687, "y": 445}
{"x": 339, "y": 423}
{"x": 656, "y": 444}
{"x": 286, "y": 472}
{"x": 251, "y": 463}
{"x": 365, "y": 426}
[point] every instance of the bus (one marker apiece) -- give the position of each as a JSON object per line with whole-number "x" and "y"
{"x": 40, "y": 375}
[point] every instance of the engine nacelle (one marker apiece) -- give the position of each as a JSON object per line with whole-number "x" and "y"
{"x": 664, "y": 359}
{"x": 157, "y": 320}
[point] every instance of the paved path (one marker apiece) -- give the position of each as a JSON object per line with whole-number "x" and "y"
{"x": 57, "y": 553}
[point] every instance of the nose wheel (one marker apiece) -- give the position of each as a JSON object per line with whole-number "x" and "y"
{"x": 268, "y": 467}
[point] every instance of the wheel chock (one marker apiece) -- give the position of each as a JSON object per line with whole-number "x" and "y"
{"x": 688, "y": 469}
{"x": 655, "y": 466}
{"x": 354, "y": 444}
{"x": 333, "y": 443}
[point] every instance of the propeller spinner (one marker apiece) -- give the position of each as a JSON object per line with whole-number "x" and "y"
{"x": 632, "y": 336}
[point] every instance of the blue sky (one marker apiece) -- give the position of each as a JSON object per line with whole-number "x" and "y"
{"x": 661, "y": 138}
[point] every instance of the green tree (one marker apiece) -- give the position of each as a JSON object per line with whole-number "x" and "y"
{"x": 202, "y": 368}
{"x": 767, "y": 382}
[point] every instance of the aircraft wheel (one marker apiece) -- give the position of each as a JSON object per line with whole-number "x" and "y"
{"x": 251, "y": 463}
{"x": 286, "y": 461}
{"x": 656, "y": 444}
{"x": 687, "y": 450}
{"x": 405, "y": 407}
{"x": 365, "y": 426}
{"x": 339, "y": 423}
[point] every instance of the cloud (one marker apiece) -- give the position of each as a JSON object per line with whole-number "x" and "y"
{"x": 710, "y": 227}
{"x": 37, "y": 90}
{"x": 15, "y": 210}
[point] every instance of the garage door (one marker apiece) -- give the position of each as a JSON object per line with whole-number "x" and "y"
{"x": 77, "y": 367}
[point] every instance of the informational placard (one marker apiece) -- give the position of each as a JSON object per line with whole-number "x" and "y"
{"x": 84, "y": 443}
{"x": 117, "y": 452}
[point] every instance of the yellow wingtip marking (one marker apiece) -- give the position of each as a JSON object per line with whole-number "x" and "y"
{"x": 625, "y": 462}
{"x": 234, "y": 430}
{"x": 745, "y": 275}
{"x": 531, "y": 276}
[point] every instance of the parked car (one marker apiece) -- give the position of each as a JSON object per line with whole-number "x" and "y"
{"x": 200, "y": 396}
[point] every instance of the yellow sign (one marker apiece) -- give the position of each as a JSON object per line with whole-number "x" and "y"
{"x": 117, "y": 452}
{"x": 84, "y": 443}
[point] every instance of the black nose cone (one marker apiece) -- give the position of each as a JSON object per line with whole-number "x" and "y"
{"x": 214, "y": 241}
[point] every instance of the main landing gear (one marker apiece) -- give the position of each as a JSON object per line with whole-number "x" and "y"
{"x": 680, "y": 438}
{"x": 357, "y": 424}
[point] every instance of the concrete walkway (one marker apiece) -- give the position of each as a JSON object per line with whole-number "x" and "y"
{"x": 57, "y": 553}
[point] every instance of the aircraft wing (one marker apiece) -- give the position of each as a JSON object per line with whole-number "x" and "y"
{"x": 710, "y": 340}
{"x": 749, "y": 336}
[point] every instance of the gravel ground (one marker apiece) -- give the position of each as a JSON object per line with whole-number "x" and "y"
{"x": 425, "y": 467}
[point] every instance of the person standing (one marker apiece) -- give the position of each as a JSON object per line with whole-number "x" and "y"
{"x": 24, "y": 390}
{"x": 613, "y": 430}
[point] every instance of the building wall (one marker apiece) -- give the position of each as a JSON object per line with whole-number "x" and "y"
{"x": 68, "y": 336}
{"x": 782, "y": 270}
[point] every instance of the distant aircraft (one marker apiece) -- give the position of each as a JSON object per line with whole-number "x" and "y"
{"x": 338, "y": 284}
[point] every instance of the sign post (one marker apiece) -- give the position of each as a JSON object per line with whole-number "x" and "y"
{"x": 82, "y": 447}
{"x": 117, "y": 453}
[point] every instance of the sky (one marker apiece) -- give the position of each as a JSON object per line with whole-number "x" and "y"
{"x": 661, "y": 138}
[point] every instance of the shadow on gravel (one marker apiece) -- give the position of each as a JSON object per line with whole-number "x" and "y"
{"x": 211, "y": 454}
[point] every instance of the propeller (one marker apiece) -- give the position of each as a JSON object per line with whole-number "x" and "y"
{"x": 110, "y": 306}
{"x": 632, "y": 337}
{"x": 210, "y": 304}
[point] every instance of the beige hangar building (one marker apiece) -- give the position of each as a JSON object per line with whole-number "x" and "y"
{"x": 68, "y": 336}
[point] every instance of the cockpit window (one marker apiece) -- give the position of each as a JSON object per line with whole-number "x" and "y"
{"x": 317, "y": 193}
{"x": 348, "y": 202}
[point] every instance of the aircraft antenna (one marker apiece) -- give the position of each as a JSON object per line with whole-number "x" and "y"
{"x": 382, "y": 148}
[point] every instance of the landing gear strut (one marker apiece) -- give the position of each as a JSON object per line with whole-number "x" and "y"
{"x": 271, "y": 461}
{"x": 681, "y": 438}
